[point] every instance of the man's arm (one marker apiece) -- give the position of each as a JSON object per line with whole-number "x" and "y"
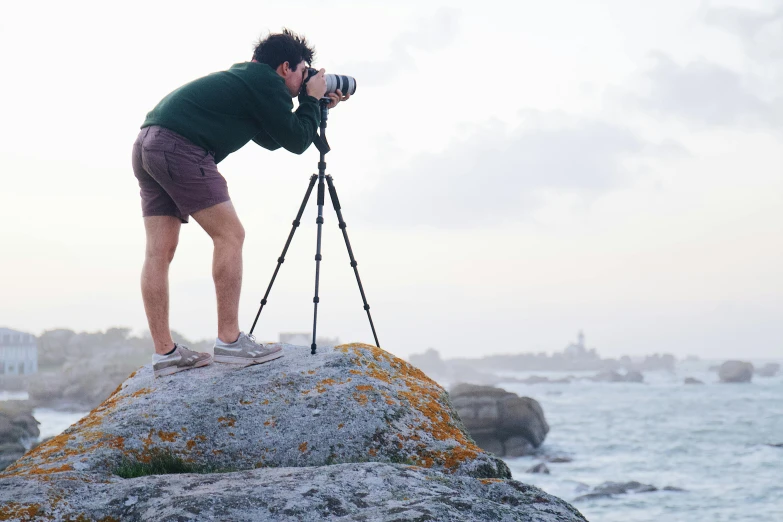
{"x": 294, "y": 131}
{"x": 265, "y": 140}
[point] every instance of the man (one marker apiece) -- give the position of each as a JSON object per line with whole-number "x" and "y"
{"x": 174, "y": 159}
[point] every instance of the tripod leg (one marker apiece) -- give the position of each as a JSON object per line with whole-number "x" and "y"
{"x": 281, "y": 259}
{"x": 337, "y": 208}
{"x": 320, "y": 222}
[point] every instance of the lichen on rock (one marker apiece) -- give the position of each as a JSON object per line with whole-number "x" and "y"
{"x": 354, "y": 404}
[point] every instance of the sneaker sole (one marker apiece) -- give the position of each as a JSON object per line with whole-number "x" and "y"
{"x": 174, "y": 369}
{"x": 229, "y": 359}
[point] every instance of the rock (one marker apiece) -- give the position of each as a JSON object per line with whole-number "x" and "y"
{"x": 500, "y": 422}
{"x": 608, "y": 489}
{"x": 779, "y": 445}
{"x": 349, "y": 404}
{"x": 351, "y": 492}
{"x": 691, "y": 380}
{"x": 673, "y": 488}
{"x": 768, "y": 370}
{"x": 538, "y": 468}
{"x": 10, "y": 452}
{"x": 534, "y": 379}
{"x": 352, "y": 432}
{"x": 18, "y": 428}
{"x": 608, "y": 376}
{"x": 558, "y": 460}
{"x": 633, "y": 376}
{"x": 735, "y": 371}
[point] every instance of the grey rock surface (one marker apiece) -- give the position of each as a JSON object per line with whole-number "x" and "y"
{"x": 499, "y": 421}
{"x": 538, "y": 468}
{"x": 735, "y": 371}
{"x": 347, "y": 492}
{"x": 352, "y": 433}
{"x": 692, "y": 380}
{"x": 352, "y": 403}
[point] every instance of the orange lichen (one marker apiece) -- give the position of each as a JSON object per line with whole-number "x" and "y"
{"x": 423, "y": 395}
{"x": 490, "y": 481}
{"x": 361, "y": 398}
{"x": 303, "y": 447}
{"x": 340, "y": 426}
{"x": 227, "y": 422}
{"x": 15, "y": 510}
{"x": 167, "y": 436}
{"x": 373, "y": 452}
{"x": 245, "y": 403}
{"x": 364, "y": 387}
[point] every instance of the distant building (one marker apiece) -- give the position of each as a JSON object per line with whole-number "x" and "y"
{"x": 578, "y": 350}
{"x": 306, "y": 339}
{"x": 18, "y": 353}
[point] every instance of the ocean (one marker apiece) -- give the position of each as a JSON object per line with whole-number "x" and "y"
{"x": 712, "y": 441}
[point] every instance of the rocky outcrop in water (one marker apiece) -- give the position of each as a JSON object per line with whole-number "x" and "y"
{"x": 18, "y": 428}
{"x": 352, "y": 432}
{"x": 735, "y": 371}
{"x": 692, "y": 380}
{"x": 768, "y": 370}
{"x": 610, "y": 489}
{"x": 499, "y": 421}
{"x": 613, "y": 376}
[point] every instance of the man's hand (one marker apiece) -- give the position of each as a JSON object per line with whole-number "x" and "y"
{"x": 336, "y": 98}
{"x": 316, "y": 86}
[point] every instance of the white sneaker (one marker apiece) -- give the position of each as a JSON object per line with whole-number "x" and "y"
{"x": 246, "y": 350}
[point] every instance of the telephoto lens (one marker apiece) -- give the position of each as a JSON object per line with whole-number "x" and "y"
{"x": 335, "y": 82}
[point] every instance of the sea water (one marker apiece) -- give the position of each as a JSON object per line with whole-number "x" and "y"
{"x": 712, "y": 440}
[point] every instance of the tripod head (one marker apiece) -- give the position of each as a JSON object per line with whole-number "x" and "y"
{"x": 320, "y": 139}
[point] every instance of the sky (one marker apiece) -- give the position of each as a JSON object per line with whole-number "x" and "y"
{"x": 510, "y": 173}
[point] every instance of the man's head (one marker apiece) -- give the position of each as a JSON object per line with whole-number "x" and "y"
{"x": 288, "y": 54}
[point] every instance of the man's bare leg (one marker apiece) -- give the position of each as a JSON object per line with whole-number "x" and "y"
{"x": 162, "y": 237}
{"x": 223, "y": 226}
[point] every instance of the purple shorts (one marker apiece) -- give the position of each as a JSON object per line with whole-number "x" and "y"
{"x": 176, "y": 177}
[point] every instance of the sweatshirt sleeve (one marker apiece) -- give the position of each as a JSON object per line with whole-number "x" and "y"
{"x": 265, "y": 140}
{"x": 294, "y": 131}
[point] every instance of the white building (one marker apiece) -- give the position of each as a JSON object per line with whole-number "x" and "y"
{"x": 18, "y": 353}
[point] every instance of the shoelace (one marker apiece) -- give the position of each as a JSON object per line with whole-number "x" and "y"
{"x": 253, "y": 338}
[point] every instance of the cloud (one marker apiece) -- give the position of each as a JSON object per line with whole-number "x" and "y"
{"x": 705, "y": 92}
{"x": 708, "y": 93}
{"x": 495, "y": 175}
{"x": 427, "y": 34}
{"x": 761, "y": 33}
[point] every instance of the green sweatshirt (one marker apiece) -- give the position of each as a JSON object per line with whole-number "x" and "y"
{"x": 223, "y": 111}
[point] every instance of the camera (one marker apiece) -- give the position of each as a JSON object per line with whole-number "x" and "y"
{"x": 346, "y": 84}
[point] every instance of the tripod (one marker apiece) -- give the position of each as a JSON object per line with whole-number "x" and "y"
{"x": 323, "y": 147}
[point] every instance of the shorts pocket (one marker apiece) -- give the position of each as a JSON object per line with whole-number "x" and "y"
{"x": 187, "y": 167}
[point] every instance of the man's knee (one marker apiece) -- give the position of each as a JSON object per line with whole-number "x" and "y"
{"x": 233, "y": 235}
{"x": 162, "y": 252}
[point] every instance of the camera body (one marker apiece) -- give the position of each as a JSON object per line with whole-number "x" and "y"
{"x": 334, "y": 82}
